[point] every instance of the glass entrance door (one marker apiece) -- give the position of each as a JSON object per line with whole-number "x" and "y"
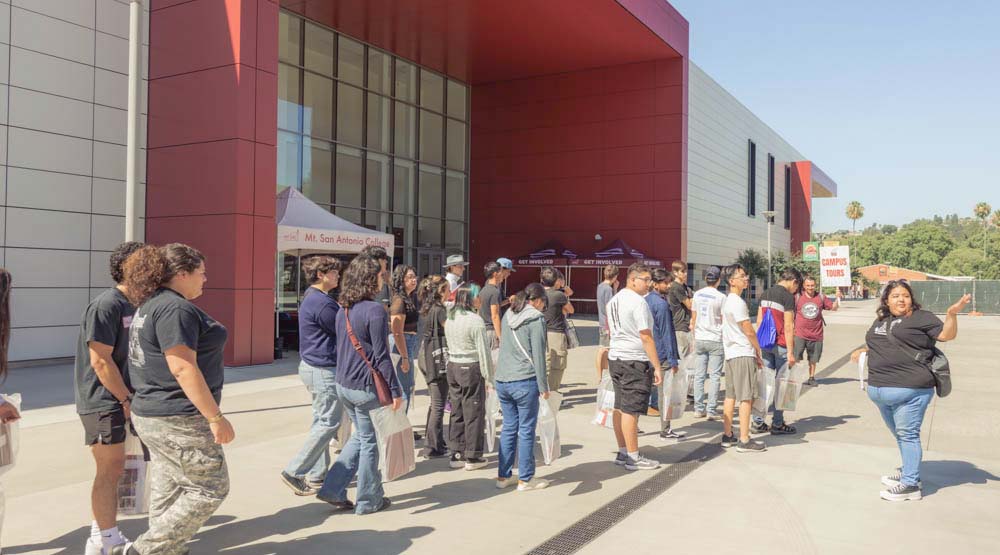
{"x": 430, "y": 262}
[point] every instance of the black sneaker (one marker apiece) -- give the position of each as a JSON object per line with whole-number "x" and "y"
{"x": 672, "y": 434}
{"x": 782, "y": 430}
{"x": 729, "y": 441}
{"x": 297, "y": 485}
{"x": 345, "y": 505}
{"x": 316, "y": 485}
{"x": 899, "y": 492}
{"x": 385, "y": 505}
{"x": 751, "y": 447}
{"x": 457, "y": 460}
{"x": 417, "y": 436}
{"x": 428, "y": 453}
{"x": 811, "y": 381}
{"x": 761, "y": 428}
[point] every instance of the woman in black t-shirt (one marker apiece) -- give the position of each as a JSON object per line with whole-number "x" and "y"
{"x": 432, "y": 292}
{"x": 899, "y": 345}
{"x": 404, "y": 314}
{"x": 176, "y": 367}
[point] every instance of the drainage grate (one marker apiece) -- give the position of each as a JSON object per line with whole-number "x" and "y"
{"x": 588, "y": 528}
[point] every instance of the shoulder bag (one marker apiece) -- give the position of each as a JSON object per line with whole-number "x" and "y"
{"x": 381, "y": 385}
{"x": 433, "y": 354}
{"x": 936, "y": 362}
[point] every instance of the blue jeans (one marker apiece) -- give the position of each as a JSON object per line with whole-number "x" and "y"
{"x": 519, "y": 403}
{"x": 406, "y": 380}
{"x": 359, "y": 457}
{"x": 903, "y": 410}
{"x": 774, "y": 358}
{"x": 710, "y": 357}
{"x": 313, "y": 460}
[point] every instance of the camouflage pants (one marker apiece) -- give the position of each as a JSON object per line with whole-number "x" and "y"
{"x": 189, "y": 480}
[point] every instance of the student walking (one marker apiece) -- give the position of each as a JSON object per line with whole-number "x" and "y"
{"x": 520, "y": 382}
{"x": 363, "y": 321}
{"x": 175, "y": 364}
{"x": 318, "y": 370}
{"x": 706, "y": 324}
{"x": 557, "y": 308}
{"x": 743, "y": 358}
{"x": 901, "y": 343}
{"x": 809, "y": 323}
{"x": 433, "y": 316}
{"x": 103, "y": 395}
{"x": 633, "y": 363}
{"x": 470, "y": 373}
{"x": 404, "y": 318}
{"x": 779, "y": 300}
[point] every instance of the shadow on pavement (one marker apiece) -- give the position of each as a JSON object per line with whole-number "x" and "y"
{"x": 945, "y": 474}
{"x": 804, "y": 427}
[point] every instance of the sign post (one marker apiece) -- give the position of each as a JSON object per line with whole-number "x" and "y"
{"x": 835, "y": 266}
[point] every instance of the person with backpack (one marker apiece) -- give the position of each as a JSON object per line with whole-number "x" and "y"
{"x": 901, "y": 346}
{"x": 778, "y": 305}
{"x": 809, "y": 323}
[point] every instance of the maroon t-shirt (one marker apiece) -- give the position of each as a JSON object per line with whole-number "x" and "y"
{"x": 809, "y": 315}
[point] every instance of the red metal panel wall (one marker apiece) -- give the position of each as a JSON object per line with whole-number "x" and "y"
{"x": 572, "y": 155}
{"x": 212, "y": 155}
{"x": 801, "y": 204}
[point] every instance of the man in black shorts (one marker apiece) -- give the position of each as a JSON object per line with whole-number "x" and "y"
{"x": 633, "y": 364}
{"x": 102, "y": 398}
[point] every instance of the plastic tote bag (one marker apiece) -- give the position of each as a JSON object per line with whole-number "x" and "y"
{"x": 675, "y": 388}
{"x": 765, "y": 390}
{"x": 604, "y": 415}
{"x": 548, "y": 428}
{"x": 790, "y": 387}
{"x": 10, "y": 435}
{"x": 133, "y": 486}
{"x": 394, "y": 435}
{"x": 492, "y": 414}
{"x": 343, "y": 432}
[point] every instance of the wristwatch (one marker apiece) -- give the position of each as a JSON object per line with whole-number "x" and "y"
{"x": 127, "y": 399}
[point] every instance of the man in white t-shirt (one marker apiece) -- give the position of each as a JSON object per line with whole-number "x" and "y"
{"x": 706, "y": 324}
{"x": 743, "y": 358}
{"x": 633, "y": 364}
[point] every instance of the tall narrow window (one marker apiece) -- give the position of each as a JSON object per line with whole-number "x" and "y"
{"x": 752, "y": 179}
{"x": 788, "y": 197}
{"x": 770, "y": 183}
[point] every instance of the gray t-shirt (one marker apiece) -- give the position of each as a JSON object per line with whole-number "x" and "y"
{"x": 106, "y": 321}
{"x": 488, "y": 296}
{"x": 604, "y": 294}
{"x": 165, "y": 321}
{"x": 554, "y": 318}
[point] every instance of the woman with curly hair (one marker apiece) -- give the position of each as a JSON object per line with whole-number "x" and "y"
{"x": 404, "y": 316}
{"x": 176, "y": 367}
{"x": 432, "y": 292}
{"x": 365, "y": 321}
{"x": 900, "y": 344}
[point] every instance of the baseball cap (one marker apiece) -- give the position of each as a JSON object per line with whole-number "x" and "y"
{"x": 506, "y": 264}
{"x": 713, "y": 273}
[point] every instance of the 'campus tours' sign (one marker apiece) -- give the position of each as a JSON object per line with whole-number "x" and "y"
{"x": 835, "y": 266}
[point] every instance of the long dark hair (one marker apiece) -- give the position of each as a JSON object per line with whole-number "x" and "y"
{"x": 429, "y": 293}
{"x": 398, "y": 285}
{"x": 883, "y": 311}
{"x": 530, "y": 293}
{"x": 360, "y": 281}
{"x": 465, "y": 298}
{"x": 5, "y": 284}
{"x": 150, "y": 268}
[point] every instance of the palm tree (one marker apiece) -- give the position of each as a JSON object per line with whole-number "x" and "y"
{"x": 855, "y": 211}
{"x": 982, "y": 211}
{"x": 996, "y": 219}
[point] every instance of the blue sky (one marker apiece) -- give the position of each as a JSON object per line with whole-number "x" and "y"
{"x": 898, "y": 102}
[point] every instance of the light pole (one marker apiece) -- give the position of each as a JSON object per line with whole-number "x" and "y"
{"x": 769, "y": 215}
{"x": 132, "y": 150}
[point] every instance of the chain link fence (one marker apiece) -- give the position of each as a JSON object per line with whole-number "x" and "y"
{"x": 937, "y": 296}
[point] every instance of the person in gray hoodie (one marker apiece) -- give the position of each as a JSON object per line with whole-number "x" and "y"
{"x": 520, "y": 382}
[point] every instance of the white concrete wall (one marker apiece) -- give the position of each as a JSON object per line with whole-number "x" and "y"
{"x": 63, "y": 101}
{"x": 718, "y": 129}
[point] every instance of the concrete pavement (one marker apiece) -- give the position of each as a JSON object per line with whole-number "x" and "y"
{"x": 815, "y": 492}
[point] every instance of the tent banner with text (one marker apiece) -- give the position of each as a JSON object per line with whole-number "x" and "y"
{"x": 835, "y": 266}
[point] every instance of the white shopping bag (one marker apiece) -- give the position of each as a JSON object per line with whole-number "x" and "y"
{"x": 673, "y": 399}
{"x": 134, "y": 486}
{"x": 604, "y": 415}
{"x": 343, "y": 432}
{"x": 492, "y": 414}
{"x": 548, "y": 427}
{"x": 394, "y": 435}
{"x": 862, "y": 366}
{"x": 10, "y": 436}
{"x": 765, "y": 390}
{"x": 790, "y": 387}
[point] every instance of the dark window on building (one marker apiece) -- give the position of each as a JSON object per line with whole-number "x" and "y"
{"x": 770, "y": 182}
{"x": 752, "y": 179}
{"x": 788, "y": 197}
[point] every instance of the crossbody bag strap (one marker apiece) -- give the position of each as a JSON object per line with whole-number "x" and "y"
{"x": 354, "y": 340}
{"x": 523, "y": 350}
{"x": 912, "y": 353}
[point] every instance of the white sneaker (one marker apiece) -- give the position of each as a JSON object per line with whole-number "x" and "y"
{"x": 537, "y": 483}
{"x": 894, "y": 479}
{"x": 503, "y": 483}
{"x": 94, "y": 547}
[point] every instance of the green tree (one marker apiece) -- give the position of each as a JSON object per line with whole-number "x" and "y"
{"x": 855, "y": 211}
{"x": 982, "y": 211}
{"x": 889, "y": 229}
{"x": 968, "y": 261}
{"x": 918, "y": 246}
{"x": 755, "y": 263}
{"x": 995, "y": 220}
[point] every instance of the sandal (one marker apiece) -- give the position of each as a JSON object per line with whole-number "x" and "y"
{"x": 784, "y": 429}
